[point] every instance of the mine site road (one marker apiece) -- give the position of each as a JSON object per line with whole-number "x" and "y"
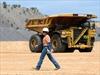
{"x": 20, "y": 61}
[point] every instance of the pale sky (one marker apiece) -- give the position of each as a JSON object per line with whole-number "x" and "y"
{"x": 61, "y": 6}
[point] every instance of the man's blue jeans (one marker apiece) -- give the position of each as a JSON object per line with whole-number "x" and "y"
{"x": 51, "y": 58}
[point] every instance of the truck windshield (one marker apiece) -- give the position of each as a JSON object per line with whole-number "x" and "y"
{"x": 86, "y": 24}
{"x": 89, "y": 24}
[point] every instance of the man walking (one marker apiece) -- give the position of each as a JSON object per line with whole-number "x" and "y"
{"x": 47, "y": 51}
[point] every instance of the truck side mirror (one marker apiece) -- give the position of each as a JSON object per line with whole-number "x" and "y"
{"x": 92, "y": 25}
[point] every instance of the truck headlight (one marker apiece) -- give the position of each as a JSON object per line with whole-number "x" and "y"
{"x": 63, "y": 33}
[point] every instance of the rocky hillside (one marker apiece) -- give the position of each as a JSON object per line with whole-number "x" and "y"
{"x": 13, "y": 19}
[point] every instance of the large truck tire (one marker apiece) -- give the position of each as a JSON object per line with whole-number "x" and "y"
{"x": 88, "y": 49}
{"x": 57, "y": 43}
{"x": 35, "y": 40}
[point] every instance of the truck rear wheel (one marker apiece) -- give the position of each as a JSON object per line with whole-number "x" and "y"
{"x": 57, "y": 44}
{"x": 35, "y": 40}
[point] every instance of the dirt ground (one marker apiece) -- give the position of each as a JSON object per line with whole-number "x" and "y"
{"x": 16, "y": 59}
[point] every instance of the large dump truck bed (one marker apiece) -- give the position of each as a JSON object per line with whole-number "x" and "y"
{"x": 49, "y": 21}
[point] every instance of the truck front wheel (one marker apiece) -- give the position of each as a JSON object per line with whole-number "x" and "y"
{"x": 57, "y": 43}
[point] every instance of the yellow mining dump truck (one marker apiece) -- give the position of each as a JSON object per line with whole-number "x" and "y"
{"x": 67, "y": 31}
